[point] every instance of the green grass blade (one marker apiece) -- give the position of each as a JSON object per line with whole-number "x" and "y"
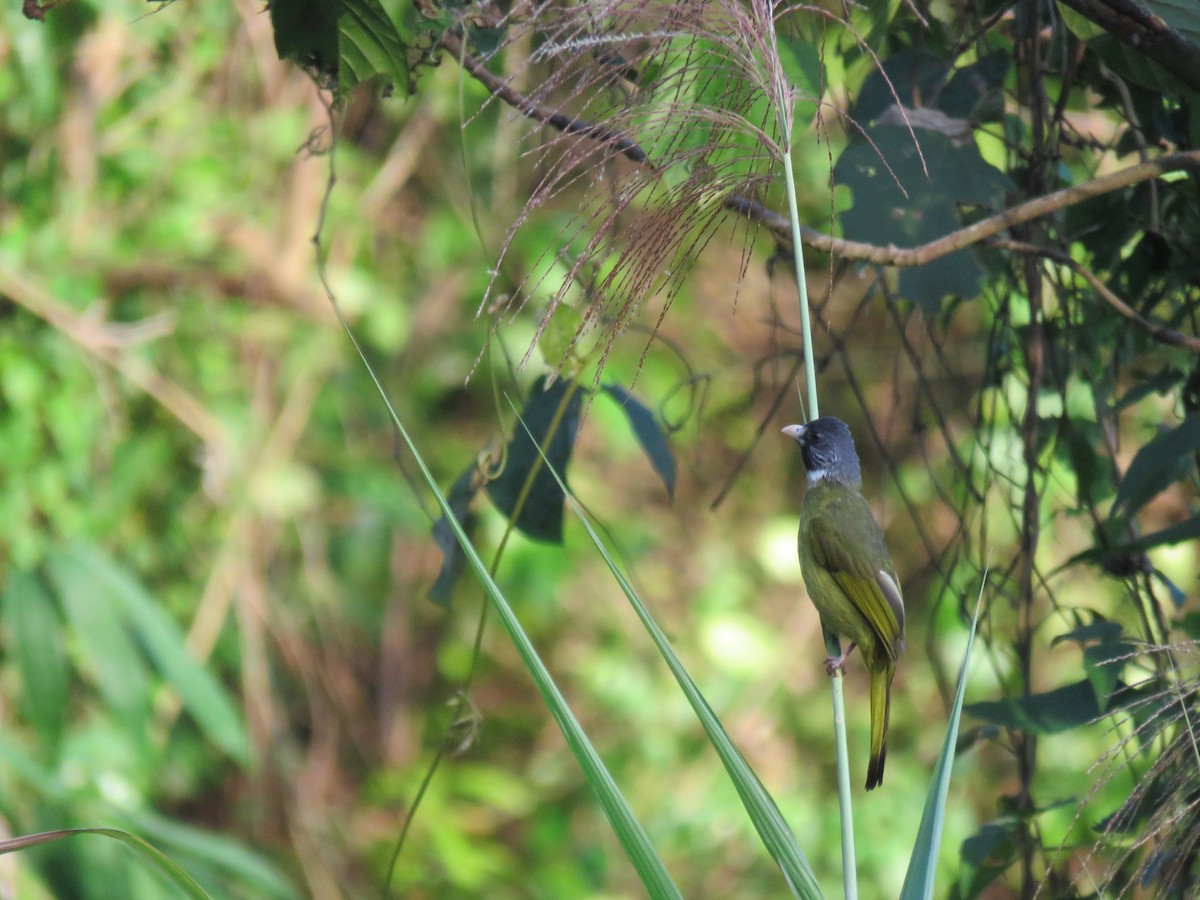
{"x": 922, "y": 868}
{"x": 628, "y": 829}
{"x": 765, "y": 815}
{"x": 181, "y": 879}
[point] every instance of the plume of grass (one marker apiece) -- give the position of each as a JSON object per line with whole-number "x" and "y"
{"x": 665, "y": 111}
{"x": 1151, "y": 838}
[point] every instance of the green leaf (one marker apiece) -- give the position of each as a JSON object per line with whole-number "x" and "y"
{"x": 768, "y": 821}
{"x": 922, "y": 866}
{"x": 1051, "y": 712}
{"x": 1165, "y": 459}
{"x": 975, "y": 91}
{"x": 34, "y": 641}
{"x": 1099, "y": 630}
{"x": 801, "y": 61}
{"x": 985, "y": 856}
{"x": 552, "y": 419}
{"x": 106, "y": 652}
{"x": 370, "y": 45}
{"x": 340, "y": 42}
{"x": 1182, "y": 15}
{"x": 1186, "y": 530}
{"x": 149, "y": 853}
{"x": 219, "y": 852}
{"x": 203, "y": 697}
{"x": 649, "y": 433}
{"x": 306, "y": 33}
{"x": 906, "y": 197}
{"x": 1103, "y": 664}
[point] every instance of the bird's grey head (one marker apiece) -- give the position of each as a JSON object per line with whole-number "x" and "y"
{"x": 828, "y": 451}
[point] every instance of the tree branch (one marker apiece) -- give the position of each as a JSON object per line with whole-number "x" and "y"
{"x": 1133, "y": 24}
{"x": 780, "y": 227}
{"x": 905, "y": 257}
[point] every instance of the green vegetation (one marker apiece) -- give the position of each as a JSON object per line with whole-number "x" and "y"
{"x": 242, "y": 636}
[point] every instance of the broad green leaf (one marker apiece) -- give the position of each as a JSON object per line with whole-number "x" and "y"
{"x": 370, "y": 45}
{"x": 922, "y": 866}
{"x": 768, "y": 821}
{"x": 149, "y": 853}
{"x": 340, "y": 42}
{"x": 1182, "y": 15}
{"x": 34, "y": 631}
{"x": 975, "y": 91}
{"x": 1167, "y": 457}
{"x": 985, "y": 856}
{"x": 1053, "y": 711}
{"x": 649, "y": 432}
{"x": 107, "y": 653}
{"x": 904, "y": 74}
{"x": 306, "y": 33}
{"x": 203, "y": 697}
{"x": 552, "y": 417}
{"x": 801, "y": 61}
{"x": 907, "y": 194}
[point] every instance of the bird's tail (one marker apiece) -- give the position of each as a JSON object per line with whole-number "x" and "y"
{"x": 881, "y": 704}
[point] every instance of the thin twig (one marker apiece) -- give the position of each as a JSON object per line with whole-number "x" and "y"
{"x": 907, "y": 257}
{"x": 1159, "y": 332}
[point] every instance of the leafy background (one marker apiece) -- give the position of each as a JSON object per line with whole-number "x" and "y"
{"x": 215, "y": 567}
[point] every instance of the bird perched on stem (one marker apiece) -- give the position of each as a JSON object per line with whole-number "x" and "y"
{"x": 848, "y": 570}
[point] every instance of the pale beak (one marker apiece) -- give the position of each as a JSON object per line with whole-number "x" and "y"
{"x": 795, "y": 432}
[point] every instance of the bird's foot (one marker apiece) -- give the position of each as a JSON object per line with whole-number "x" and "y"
{"x": 837, "y": 663}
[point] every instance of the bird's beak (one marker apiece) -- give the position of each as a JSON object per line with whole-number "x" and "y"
{"x": 794, "y": 431}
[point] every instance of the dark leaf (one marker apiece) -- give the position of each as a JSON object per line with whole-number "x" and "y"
{"x": 985, "y": 855}
{"x": 453, "y": 561}
{"x": 1165, "y": 459}
{"x": 306, "y": 33}
{"x": 973, "y": 91}
{"x": 914, "y": 198}
{"x": 649, "y": 433}
{"x": 541, "y": 516}
{"x": 1184, "y": 531}
{"x": 1093, "y": 474}
{"x": 1100, "y": 630}
{"x": 1049, "y": 713}
{"x": 908, "y": 74}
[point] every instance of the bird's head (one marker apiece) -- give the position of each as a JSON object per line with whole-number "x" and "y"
{"x": 828, "y": 451}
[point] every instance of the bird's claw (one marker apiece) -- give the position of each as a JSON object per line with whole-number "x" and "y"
{"x": 837, "y": 663}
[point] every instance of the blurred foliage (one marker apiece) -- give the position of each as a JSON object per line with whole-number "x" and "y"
{"x": 214, "y": 563}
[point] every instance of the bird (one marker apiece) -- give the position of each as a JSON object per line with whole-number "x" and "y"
{"x": 847, "y": 568}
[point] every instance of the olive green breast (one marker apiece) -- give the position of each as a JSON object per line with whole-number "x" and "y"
{"x": 838, "y": 533}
